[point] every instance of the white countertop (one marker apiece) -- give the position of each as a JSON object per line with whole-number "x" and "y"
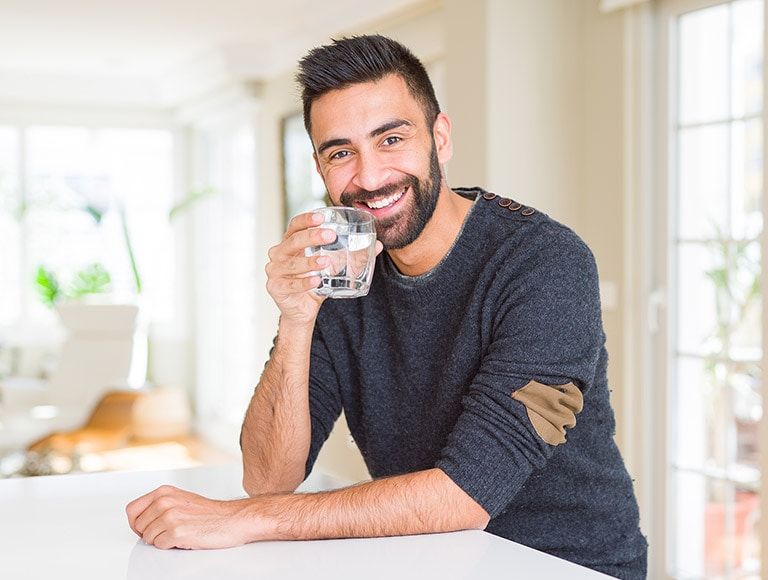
{"x": 74, "y": 527}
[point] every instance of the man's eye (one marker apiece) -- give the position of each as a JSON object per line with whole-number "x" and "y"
{"x": 339, "y": 154}
{"x": 392, "y": 140}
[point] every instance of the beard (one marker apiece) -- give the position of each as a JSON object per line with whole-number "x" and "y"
{"x": 403, "y": 229}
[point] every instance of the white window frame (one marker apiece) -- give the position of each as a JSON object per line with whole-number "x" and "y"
{"x": 648, "y": 82}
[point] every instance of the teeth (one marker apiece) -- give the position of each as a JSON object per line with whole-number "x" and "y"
{"x": 385, "y": 202}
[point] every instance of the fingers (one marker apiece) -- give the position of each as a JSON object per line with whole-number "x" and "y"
{"x": 283, "y": 286}
{"x": 296, "y": 243}
{"x": 160, "y": 533}
{"x": 153, "y": 514}
{"x": 379, "y": 247}
{"x": 289, "y": 271}
{"x": 296, "y": 266}
{"x": 302, "y": 222}
{"x": 137, "y": 507}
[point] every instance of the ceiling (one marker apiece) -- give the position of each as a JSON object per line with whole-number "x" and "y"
{"x": 150, "y": 39}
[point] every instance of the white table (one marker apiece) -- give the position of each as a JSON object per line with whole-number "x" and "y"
{"x": 75, "y": 527}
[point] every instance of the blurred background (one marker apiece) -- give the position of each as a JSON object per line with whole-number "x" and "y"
{"x": 151, "y": 153}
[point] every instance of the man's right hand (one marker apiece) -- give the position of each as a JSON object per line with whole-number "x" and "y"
{"x": 291, "y": 275}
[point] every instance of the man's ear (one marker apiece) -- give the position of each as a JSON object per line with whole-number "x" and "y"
{"x": 441, "y": 131}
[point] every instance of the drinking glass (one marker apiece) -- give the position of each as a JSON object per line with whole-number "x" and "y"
{"x": 352, "y": 254}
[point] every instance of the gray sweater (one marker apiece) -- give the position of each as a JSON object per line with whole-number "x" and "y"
{"x": 492, "y": 367}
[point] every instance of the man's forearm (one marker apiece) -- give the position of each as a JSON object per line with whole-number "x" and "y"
{"x": 277, "y": 429}
{"x": 416, "y": 503}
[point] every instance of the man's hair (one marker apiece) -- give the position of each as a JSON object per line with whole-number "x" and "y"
{"x": 363, "y": 59}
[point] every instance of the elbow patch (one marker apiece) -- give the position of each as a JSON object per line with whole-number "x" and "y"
{"x": 551, "y": 409}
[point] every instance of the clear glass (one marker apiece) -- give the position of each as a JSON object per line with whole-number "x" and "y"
{"x": 746, "y": 179}
{"x": 701, "y": 307}
{"x": 703, "y": 61}
{"x": 743, "y": 294}
{"x": 746, "y": 555}
{"x": 744, "y": 380}
{"x": 717, "y": 392}
{"x": 700, "y": 526}
{"x": 703, "y": 182}
{"x": 352, "y": 253}
{"x": 747, "y": 58}
{"x": 700, "y": 425}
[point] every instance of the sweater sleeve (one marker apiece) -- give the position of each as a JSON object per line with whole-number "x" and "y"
{"x": 324, "y": 397}
{"x": 529, "y": 390}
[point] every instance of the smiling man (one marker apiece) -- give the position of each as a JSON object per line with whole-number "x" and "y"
{"x": 472, "y": 376}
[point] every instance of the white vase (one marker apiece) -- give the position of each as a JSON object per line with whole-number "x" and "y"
{"x": 105, "y": 348}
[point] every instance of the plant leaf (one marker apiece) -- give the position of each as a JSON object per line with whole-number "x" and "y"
{"x": 189, "y": 201}
{"x": 91, "y": 280}
{"x": 47, "y": 286}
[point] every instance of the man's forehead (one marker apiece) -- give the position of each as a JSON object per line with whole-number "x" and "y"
{"x": 362, "y": 107}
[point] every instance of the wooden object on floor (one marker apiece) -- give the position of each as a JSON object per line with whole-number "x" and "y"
{"x": 108, "y": 427}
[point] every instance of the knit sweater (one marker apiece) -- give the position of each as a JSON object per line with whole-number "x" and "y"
{"x": 491, "y": 367}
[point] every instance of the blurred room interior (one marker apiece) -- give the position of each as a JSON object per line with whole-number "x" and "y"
{"x": 151, "y": 153}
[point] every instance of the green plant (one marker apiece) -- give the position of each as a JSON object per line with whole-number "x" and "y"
{"x": 93, "y": 279}
{"x": 47, "y": 286}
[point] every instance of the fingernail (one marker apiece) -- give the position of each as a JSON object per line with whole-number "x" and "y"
{"x": 318, "y": 218}
{"x": 322, "y": 261}
{"x": 329, "y": 235}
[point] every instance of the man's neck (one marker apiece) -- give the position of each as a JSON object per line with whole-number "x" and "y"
{"x": 437, "y": 238}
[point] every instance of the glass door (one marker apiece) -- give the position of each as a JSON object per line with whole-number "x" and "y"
{"x": 713, "y": 357}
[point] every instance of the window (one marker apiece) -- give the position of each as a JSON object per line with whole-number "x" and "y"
{"x": 714, "y": 357}
{"x": 54, "y": 183}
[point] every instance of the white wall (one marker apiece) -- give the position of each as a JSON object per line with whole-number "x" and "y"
{"x": 535, "y": 93}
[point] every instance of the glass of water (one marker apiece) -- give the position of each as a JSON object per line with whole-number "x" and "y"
{"x": 352, "y": 254}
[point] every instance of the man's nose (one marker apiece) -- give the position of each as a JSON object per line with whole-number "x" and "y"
{"x": 371, "y": 172}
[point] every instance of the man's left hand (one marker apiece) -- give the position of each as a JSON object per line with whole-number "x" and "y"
{"x": 173, "y": 518}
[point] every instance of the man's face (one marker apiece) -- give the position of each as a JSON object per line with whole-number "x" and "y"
{"x": 376, "y": 152}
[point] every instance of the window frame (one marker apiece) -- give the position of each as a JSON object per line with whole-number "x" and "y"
{"x": 661, "y": 238}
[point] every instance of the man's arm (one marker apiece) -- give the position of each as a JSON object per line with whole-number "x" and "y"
{"x": 416, "y": 503}
{"x": 276, "y": 430}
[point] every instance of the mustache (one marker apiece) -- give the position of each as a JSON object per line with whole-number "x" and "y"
{"x": 362, "y": 195}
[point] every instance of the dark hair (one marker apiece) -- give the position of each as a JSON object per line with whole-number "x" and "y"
{"x": 362, "y": 59}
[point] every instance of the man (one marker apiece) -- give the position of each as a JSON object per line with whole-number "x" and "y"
{"x": 473, "y": 375}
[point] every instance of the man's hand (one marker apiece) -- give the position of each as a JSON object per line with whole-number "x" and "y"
{"x": 172, "y": 518}
{"x": 415, "y": 503}
{"x": 291, "y": 275}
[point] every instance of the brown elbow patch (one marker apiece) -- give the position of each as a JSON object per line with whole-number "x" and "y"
{"x": 551, "y": 409}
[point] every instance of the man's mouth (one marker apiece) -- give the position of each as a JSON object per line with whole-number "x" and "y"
{"x": 385, "y": 202}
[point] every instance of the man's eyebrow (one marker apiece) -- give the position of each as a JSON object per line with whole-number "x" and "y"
{"x": 332, "y": 143}
{"x": 388, "y": 126}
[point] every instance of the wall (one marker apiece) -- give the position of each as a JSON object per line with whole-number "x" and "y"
{"x": 535, "y": 95}
{"x": 601, "y": 203}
